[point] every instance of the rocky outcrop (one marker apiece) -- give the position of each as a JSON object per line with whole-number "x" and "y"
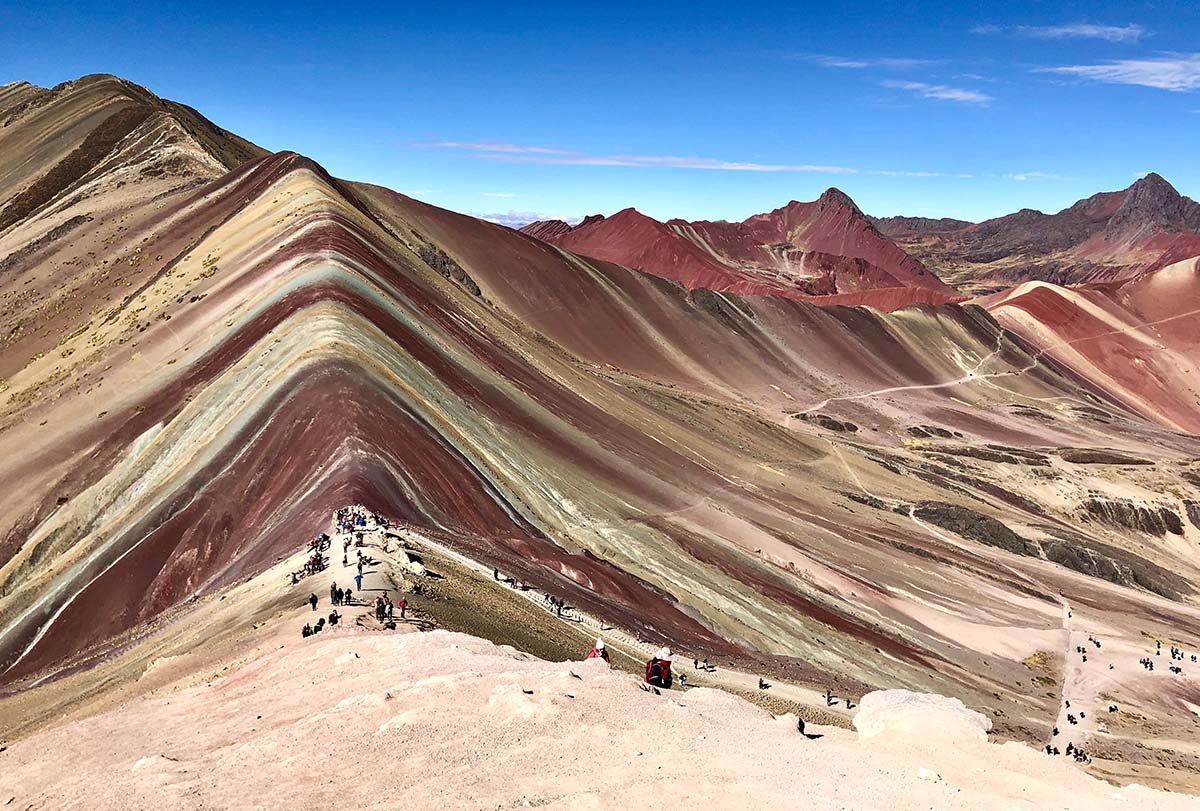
{"x": 1193, "y": 512}
{"x": 829, "y": 423}
{"x": 973, "y": 526}
{"x": 440, "y": 261}
{"x": 988, "y": 454}
{"x": 1124, "y": 514}
{"x": 1084, "y": 555}
{"x": 1089, "y": 562}
{"x": 902, "y": 714}
{"x": 1099, "y": 456}
{"x": 927, "y": 431}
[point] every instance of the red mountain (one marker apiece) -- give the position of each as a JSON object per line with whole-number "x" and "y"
{"x": 802, "y": 250}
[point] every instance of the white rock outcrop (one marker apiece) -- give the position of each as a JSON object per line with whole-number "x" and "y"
{"x": 919, "y": 718}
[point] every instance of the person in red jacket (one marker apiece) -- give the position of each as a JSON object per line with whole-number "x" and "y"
{"x": 658, "y": 669}
{"x": 598, "y": 651}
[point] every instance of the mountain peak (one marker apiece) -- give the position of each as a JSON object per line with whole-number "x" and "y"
{"x": 1152, "y": 201}
{"x": 834, "y": 196}
{"x": 1152, "y": 180}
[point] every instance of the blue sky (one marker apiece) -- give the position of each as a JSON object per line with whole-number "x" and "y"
{"x": 695, "y": 110}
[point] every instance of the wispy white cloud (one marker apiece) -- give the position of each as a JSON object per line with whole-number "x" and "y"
{"x": 498, "y": 194}
{"x": 563, "y": 157}
{"x": 1022, "y": 176}
{"x": 863, "y": 63}
{"x": 491, "y": 146}
{"x": 1109, "y": 33}
{"x": 1176, "y": 72}
{"x": 516, "y": 219}
{"x": 975, "y": 77}
{"x": 940, "y": 92}
{"x": 672, "y": 162}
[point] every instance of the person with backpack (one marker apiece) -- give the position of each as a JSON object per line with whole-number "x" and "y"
{"x": 598, "y": 651}
{"x": 658, "y": 669}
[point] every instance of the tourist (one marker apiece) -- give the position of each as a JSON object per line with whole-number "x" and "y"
{"x": 598, "y": 651}
{"x": 658, "y": 669}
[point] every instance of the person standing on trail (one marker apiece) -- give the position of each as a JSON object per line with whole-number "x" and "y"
{"x": 358, "y": 581}
{"x": 658, "y": 669}
{"x": 333, "y": 591}
{"x": 312, "y": 600}
{"x": 348, "y": 599}
{"x": 598, "y": 651}
{"x": 403, "y": 605}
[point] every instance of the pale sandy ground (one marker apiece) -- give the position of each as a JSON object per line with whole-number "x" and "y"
{"x": 372, "y": 720}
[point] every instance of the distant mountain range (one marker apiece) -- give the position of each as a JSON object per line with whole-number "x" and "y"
{"x": 802, "y": 250}
{"x": 830, "y": 248}
{"x": 1107, "y": 237}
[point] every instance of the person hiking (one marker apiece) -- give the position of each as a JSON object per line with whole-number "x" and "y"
{"x": 358, "y": 581}
{"x": 347, "y": 598}
{"x": 333, "y": 592}
{"x": 334, "y": 616}
{"x": 658, "y": 669}
{"x": 312, "y": 600}
{"x": 306, "y": 631}
{"x": 403, "y": 605}
{"x": 598, "y": 651}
